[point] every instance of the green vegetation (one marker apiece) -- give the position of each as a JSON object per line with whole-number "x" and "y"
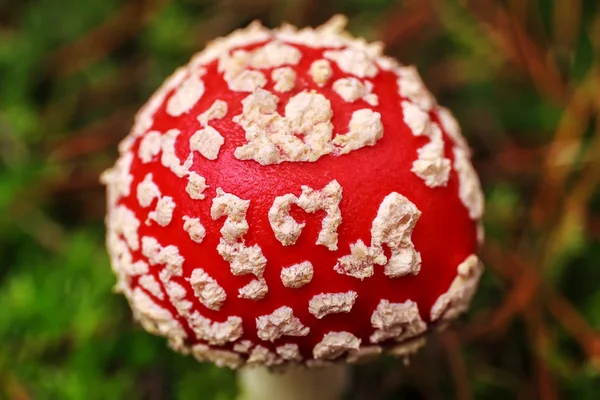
{"x": 523, "y": 77}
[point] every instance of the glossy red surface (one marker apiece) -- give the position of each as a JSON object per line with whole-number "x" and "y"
{"x": 444, "y": 234}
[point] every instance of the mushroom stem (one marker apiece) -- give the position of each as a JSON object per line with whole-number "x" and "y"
{"x": 294, "y": 383}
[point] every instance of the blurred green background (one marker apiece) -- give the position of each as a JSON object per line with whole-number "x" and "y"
{"x": 523, "y": 78}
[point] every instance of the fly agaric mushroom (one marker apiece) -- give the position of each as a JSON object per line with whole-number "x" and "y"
{"x": 294, "y": 197}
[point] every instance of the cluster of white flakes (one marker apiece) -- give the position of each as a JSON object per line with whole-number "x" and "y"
{"x": 168, "y": 256}
{"x": 324, "y": 304}
{"x": 242, "y": 259}
{"x": 458, "y": 297}
{"x": 352, "y": 89}
{"x": 320, "y": 71}
{"x": 398, "y": 321}
{"x": 153, "y": 317}
{"x": 431, "y": 165}
{"x": 207, "y": 290}
{"x": 235, "y": 65}
{"x": 328, "y": 199}
{"x": 297, "y": 275}
{"x": 336, "y": 344}
{"x": 303, "y": 133}
{"x": 279, "y": 323}
{"x": 393, "y": 226}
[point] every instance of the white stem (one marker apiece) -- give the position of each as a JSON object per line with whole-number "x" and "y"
{"x": 294, "y": 383}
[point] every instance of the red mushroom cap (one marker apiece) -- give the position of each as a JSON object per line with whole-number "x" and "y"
{"x": 294, "y": 196}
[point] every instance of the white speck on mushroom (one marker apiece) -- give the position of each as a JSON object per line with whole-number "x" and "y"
{"x": 168, "y": 255}
{"x": 280, "y": 322}
{"x": 452, "y": 129}
{"x": 284, "y": 78}
{"x": 431, "y": 165}
{"x": 147, "y": 191}
{"x": 227, "y": 204}
{"x": 150, "y": 145}
{"x": 327, "y": 199}
{"x": 196, "y": 186}
{"x": 163, "y": 214}
{"x": 221, "y": 358}
{"x": 289, "y": 352}
{"x": 194, "y": 228}
{"x": 169, "y": 159}
{"x": 207, "y": 289}
{"x": 353, "y": 61}
{"x": 457, "y": 298}
{"x": 217, "y": 110}
{"x": 285, "y": 227}
{"x": 335, "y": 344}
{"x": 274, "y": 54}
{"x": 216, "y": 333}
{"x": 398, "y": 321}
{"x": 352, "y": 89}
{"x": 328, "y": 303}
{"x": 247, "y": 81}
{"x": 186, "y": 95}
{"x": 150, "y": 283}
{"x": 303, "y": 134}
{"x": 242, "y": 259}
{"x": 297, "y": 275}
{"x": 262, "y": 356}
{"x": 153, "y": 317}
{"x": 469, "y": 188}
{"x": 256, "y": 289}
{"x": 136, "y": 268}
{"x": 123, "y": 221}
{"x": 207, "y": 141}
{"x": 118, "y": 178}
{"x": 321, "y": 72}
{"x": 411, "y": 87}
{"x": 243, "y": 346}
{"x": 178, "y": 297}
{"x": 365, "y": 129}
{"x": 393, "y": 226}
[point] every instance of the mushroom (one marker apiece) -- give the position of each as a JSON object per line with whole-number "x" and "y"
{"x": 294, "y": 199}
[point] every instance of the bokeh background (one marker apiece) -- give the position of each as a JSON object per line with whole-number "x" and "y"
{"x": 523, "y": 78}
